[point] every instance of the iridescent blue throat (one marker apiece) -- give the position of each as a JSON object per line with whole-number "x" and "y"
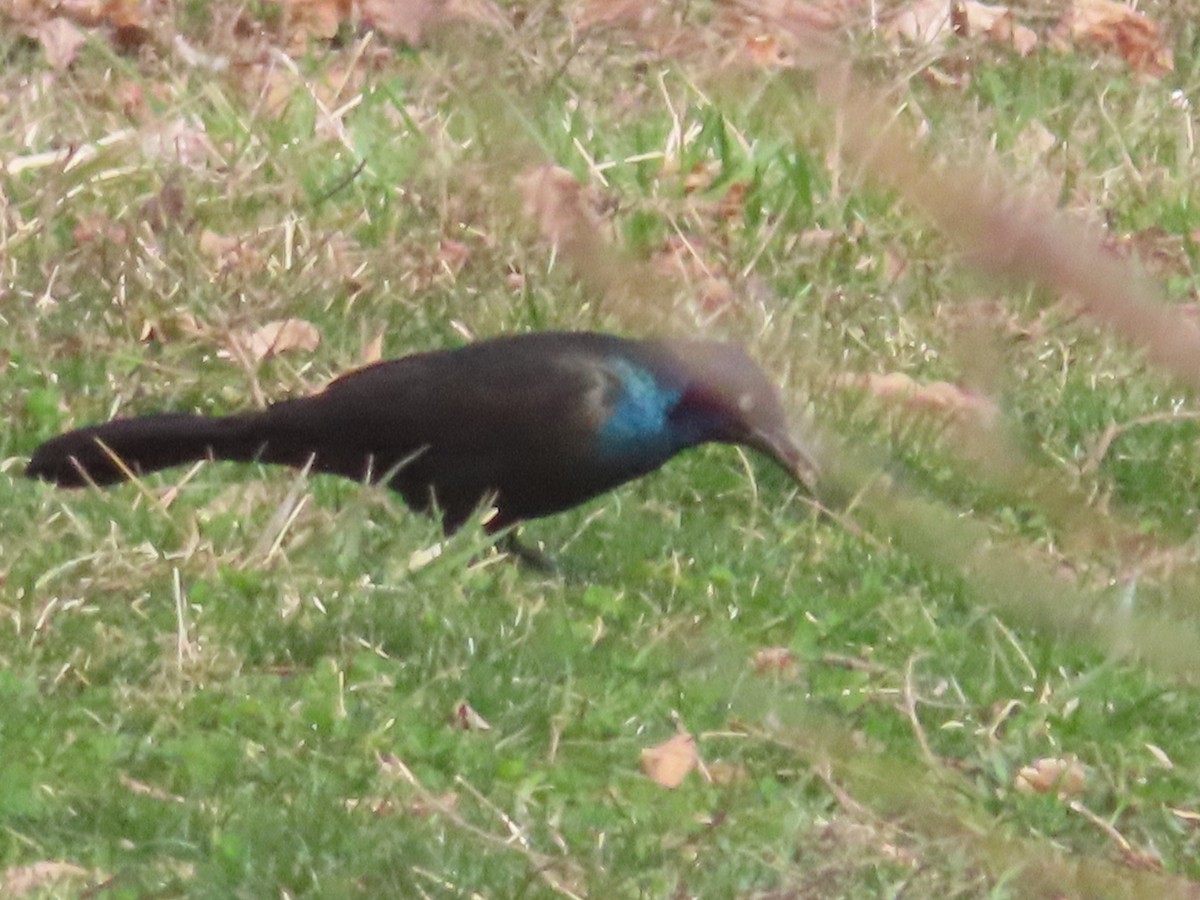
{"x": 639, "y": 425}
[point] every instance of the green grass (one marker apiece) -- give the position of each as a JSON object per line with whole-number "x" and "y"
{"x": 250, "y": 690}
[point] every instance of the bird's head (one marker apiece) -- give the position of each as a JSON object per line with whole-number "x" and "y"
{"x": 730, "y": 400}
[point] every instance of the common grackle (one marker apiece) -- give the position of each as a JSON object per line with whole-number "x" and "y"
{"x": 533, "y": 423}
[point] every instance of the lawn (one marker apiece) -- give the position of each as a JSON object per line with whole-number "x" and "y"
{"x": 967, "y": 668}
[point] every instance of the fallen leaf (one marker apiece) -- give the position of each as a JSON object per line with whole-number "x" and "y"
{"x": 895, "y": 264}
{"x": 733, "y": 204}
{"x": 123, "y": 14}
{"x": 453, "y": 255}
{"x": 974, "y": 19}
{"x": 1065, "y": 775}
{"x": 555, "y": 199}
{"x": 1115, "y": 26}
{"x": 1034, "y": 141}
{"x": 816, "y": 238}
{"x": 214, "y": 245}
{"x": 776, "y": 661}
{"x": 772, "y": 33}
{"x": 670, "y": 762}
{"x": 60, "y": 41}
{"x": 627, "y": 13}
{"x": 763, "y": 50}
{"x": 98, "y": 228}
{"x": 724, "y": 774}
{"x": 230, "y": 254}
{"x": 41, "y": 877}
{"x": 923, "y": 22}
{"x": 346, "y": 260}
{"x": 701, "y": 176}
{"x": 715, "y": 295}
{"x": 1163, "y": 252}
{"x": 130, "y": 98}
{"x": 168, "y": 208}
{"x": 313, "y": 18}
{"x": 280, "y": 337}
{"x": 466, "y": 718}
{"x": 181, "y": 140}
{"x": 405, "y": 20}
{"x": 934, "y": 396}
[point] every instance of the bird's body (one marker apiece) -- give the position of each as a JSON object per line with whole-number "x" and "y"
{"x": 533, "y": 423}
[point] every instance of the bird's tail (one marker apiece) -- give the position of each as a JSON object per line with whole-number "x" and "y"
{"x": 109, "y": 453}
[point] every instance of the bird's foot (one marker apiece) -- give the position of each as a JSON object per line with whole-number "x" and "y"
{"x": 525, "y": 555}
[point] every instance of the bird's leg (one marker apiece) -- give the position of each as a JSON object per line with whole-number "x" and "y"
{"x": 535, "y": 559}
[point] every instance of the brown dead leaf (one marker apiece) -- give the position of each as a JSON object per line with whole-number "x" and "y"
{"x": 558, "y": 203}
{"x": 98, "y": 228}
{"x": 931, "y": 22}
{"x": 320, "y": 19}
{"x": 776, "y": 661}
{"x": 764, "y": 51}
{"x": 733, "y": 204}
{"x": 715, "y": 295}
{"x": 181, "y": 140}
{"x": 466, "y": 718}
{"x": 895, "y": 264}
{"x": 346, "y": 260}
{"x": 681, "y": 257}
{"x": 933, "y": 396}
{"x": 230, "y": 254}
{"x": 130, "y": 98}
{"x": 1115, "y": 26}
{"x": 1065, "y": 775}
{"x": 1034, "y": 141}
{"x": 701, "y": 176}
{"x": 405, "y": 20}
{"x": 670, "y": 762}
{"x": 924, "y": 22}
{"x": 724, "y": 774}
{"x": 123, "y": 14}
{"x": 168, "y": 209}
{"x": 974, "y": 19}
{"x": 60, "y": 41}
{"x": 1162, "y": 252}
{"x": 42, "y": 877}
{"x": 215, "y": 246}
{"x": 453, "y": 255}
{"x": 816, "y": 238}
{"x": 771, "y": 33}
{"x": 280, "y": 337}
{"x": 409, "y": 21}
{"x": 625, "y": 13}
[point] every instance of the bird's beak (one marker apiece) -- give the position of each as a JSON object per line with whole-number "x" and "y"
{"x": 798, "y": 461}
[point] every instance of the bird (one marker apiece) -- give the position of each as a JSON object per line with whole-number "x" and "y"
{"x": 527, "y": 424}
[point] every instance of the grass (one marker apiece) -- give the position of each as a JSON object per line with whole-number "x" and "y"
{"x": 234, "y": 681}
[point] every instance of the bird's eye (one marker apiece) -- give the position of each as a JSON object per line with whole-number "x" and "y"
{"x": 746, "y": 402}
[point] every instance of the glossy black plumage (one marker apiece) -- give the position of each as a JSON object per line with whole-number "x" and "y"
{"x": 536, "y": 423}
